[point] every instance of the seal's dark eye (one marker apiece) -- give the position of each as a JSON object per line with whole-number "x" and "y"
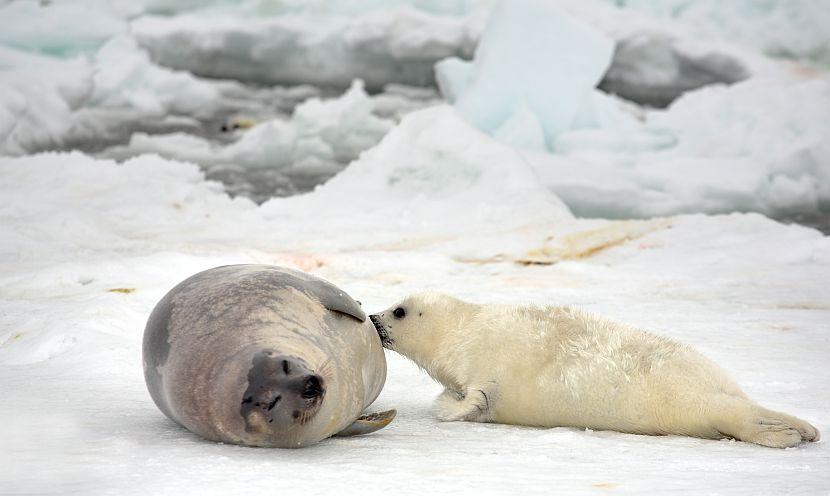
{"x": 399, "y": 313}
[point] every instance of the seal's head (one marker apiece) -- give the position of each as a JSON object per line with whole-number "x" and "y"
{"x": 415, "y": 327}
{"x": 283, "y": 394}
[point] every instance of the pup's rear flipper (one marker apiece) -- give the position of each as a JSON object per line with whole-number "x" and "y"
{"x": 369, "y": 422}
{"x": 746, "y": 421}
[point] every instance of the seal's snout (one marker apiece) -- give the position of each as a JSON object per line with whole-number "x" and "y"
{"x": 381, "y": 329}
{"x": 282, "y": 391}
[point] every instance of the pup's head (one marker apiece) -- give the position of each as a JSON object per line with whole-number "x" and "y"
{"x": 416, "y": 326}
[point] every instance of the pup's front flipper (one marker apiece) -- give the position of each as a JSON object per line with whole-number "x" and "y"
{"x": 473, "y": 405}
{"x": 369, "y": 422}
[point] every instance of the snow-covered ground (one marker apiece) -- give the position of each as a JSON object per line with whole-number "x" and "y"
{"x": 88, "y": 249}
{"x": 482, "y": 196}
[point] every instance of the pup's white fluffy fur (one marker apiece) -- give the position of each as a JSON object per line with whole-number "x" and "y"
{"x": 556, "y": 366}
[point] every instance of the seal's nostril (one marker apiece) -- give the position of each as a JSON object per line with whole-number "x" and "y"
{"x": 313, "y": 387}
{"x": 285, "y": 367}
{"x": 273, "y": 403}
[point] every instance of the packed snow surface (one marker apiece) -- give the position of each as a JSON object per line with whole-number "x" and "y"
{"x": 89, "y": 247}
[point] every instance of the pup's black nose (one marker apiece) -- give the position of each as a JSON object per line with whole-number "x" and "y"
{"x": 382, "y": 331}
{"x": 375, "y": 318}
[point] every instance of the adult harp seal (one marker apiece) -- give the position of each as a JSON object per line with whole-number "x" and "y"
{"x": 262, "y": 355}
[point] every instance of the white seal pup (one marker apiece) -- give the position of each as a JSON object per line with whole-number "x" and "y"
{"x": 264, "y": 356}
{"x": 556, "y": 366}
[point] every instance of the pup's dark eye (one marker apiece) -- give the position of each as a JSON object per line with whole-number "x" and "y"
{"x": 399, "y": 313}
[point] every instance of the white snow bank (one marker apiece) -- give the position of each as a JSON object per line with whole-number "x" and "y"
{"x": 315, "y": 44}
{"x": 38, "y": 95}
{"x": 124, "y": 77}
{"x": 755, "y": 146}
{"x": 527, "y": 62}
{"x": 93, "y": 203}
{"x": 49, "y": 102}
{"x": 433, "y": 172}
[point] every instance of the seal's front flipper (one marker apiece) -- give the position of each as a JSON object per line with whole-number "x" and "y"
{"x": 472, "y": 405}
{"x": 369, "y": 422}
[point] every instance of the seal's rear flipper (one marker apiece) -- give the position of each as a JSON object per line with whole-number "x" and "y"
{"x": 369, "y": 422}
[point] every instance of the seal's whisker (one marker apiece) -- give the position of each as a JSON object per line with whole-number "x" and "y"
{"x": 325, "y": 368}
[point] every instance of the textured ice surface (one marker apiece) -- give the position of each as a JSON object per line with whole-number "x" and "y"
{"x": 654, "y": 68}
{"x": 760, "y": 145}
{"x": 36, "y": 110}
{"x": 432, "y": 173}
{"x": 315, "y": 44}
{"x": 281, "y": 156}
{"x": 124, "y": 77}
{"x": 89, "y": 246}
{"x": 50, "y": 102}
{"x": 385, "y": 41}
{"x": 63, "y": 28}
{"x": 782, "y": 28}
{"x": 95, "y": 97}
{"x": 319, "y": 133}
{"x": 382, "y": 42}
{"x": 525, "y": 61}
{"x": 119, "y": 96}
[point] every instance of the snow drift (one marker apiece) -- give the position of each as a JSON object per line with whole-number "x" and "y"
{"x": 432, "y": 173}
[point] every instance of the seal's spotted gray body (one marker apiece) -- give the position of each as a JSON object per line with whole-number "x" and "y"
{"x": 263, "y": 356}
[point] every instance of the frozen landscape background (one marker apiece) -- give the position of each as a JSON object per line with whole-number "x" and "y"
{"x": 666, "y": 164}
